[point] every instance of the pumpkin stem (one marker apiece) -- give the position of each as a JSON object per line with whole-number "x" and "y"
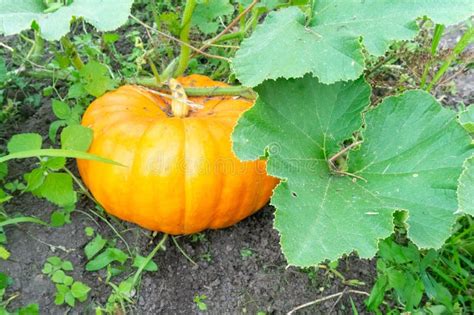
{"x": 179, "y": 102}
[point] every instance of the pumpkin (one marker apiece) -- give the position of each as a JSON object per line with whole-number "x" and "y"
{"x": 179, "y": 174}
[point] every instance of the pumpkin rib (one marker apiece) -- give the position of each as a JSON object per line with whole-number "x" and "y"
{"x": 222, "y": 179}
{"x": 133, "y": 170}
{"x": 122, "y": 211}
{"x": 185, "y": 164}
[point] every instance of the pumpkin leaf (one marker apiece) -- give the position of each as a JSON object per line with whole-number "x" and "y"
{"x": 207, "y": 12}
{"x": 330, "y": 45}
{"x": 17, "y": 16}
{"x": 466, "y": 188}
{"x": 76, "y": 137}
{"x": 466, "y": 118}
{"x": 24, "y": 142}
{"x": 411, "y": 155}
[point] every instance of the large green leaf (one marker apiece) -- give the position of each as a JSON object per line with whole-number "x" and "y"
{"x": 410, "y": 159}
{"x": 466, "y": 188}
{"x": 330, "y": 45}
{"x": 105, "y": 15}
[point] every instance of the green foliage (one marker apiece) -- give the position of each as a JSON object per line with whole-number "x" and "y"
{"x": 425, "y": 282}
{"x": 94, "y": 246}
{"x": 208, "y": 11}
{"x": 76, "y": 137}
{"x": 68, "y": 116}
{"x": 67, "y": 289}
{"x": 150, "y": 266}
{"x": 58, "y": 189}
{"x": 199, "y": 301}
{"x": 24, "y": 142}
{"x": 290, "y": 44}
{"x": 49, "y": 180}
{"x": 105, "y": 258}
{"x": 410, "y": 157}
{"x": 301, "y": 124}
{"x": 54, "y": 22}
{"x": 96, "y": 79}
{"x": 246, "y": 253}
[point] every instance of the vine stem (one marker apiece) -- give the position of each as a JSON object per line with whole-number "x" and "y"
{"x": 182, "y": 251}
{"x": 184, "y": 37}
{"x": 151, "y": 83}
{"x": 237, "y": 19}
{"x": 148, "y": 259}
{"x": 201, "y": 91}
{"x": 338, "y": 154}
{"x": 148, "y": 27}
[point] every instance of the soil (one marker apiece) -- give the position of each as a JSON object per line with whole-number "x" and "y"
{"x": 232, "y": 283}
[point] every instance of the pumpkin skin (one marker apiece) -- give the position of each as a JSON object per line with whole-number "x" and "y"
{"x": 181, "y": 175}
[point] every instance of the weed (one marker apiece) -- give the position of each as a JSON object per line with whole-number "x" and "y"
{"x": 246, "y": 253}
{"x": 199, "y": 301}
{"x": 67, "y": 289}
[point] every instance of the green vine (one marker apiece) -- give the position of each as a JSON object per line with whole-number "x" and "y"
{"x": 184, "y": 37}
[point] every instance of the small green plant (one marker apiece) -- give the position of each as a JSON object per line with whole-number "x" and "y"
{"x": 102, "y": 253}
{"x": 198, "y": 237}
{"x": 426, "y": 281}
{"x": 67, "y": 289}
{"x": 51, "y": 179}
{"x": 15, "y": 186}
{"x": 246, "y": 253}
{"x": 199, "y": 301}
{"x": 67, "y": 116}
{"x": 206, "y": 257}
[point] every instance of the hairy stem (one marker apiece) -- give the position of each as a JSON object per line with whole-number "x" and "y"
{"x": 184, "y": 37}
{"x": 151, "y": 83}
{"x": 195, "y": 91}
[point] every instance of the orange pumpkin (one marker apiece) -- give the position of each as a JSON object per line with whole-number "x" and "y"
{"x": 180, "y": 173}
